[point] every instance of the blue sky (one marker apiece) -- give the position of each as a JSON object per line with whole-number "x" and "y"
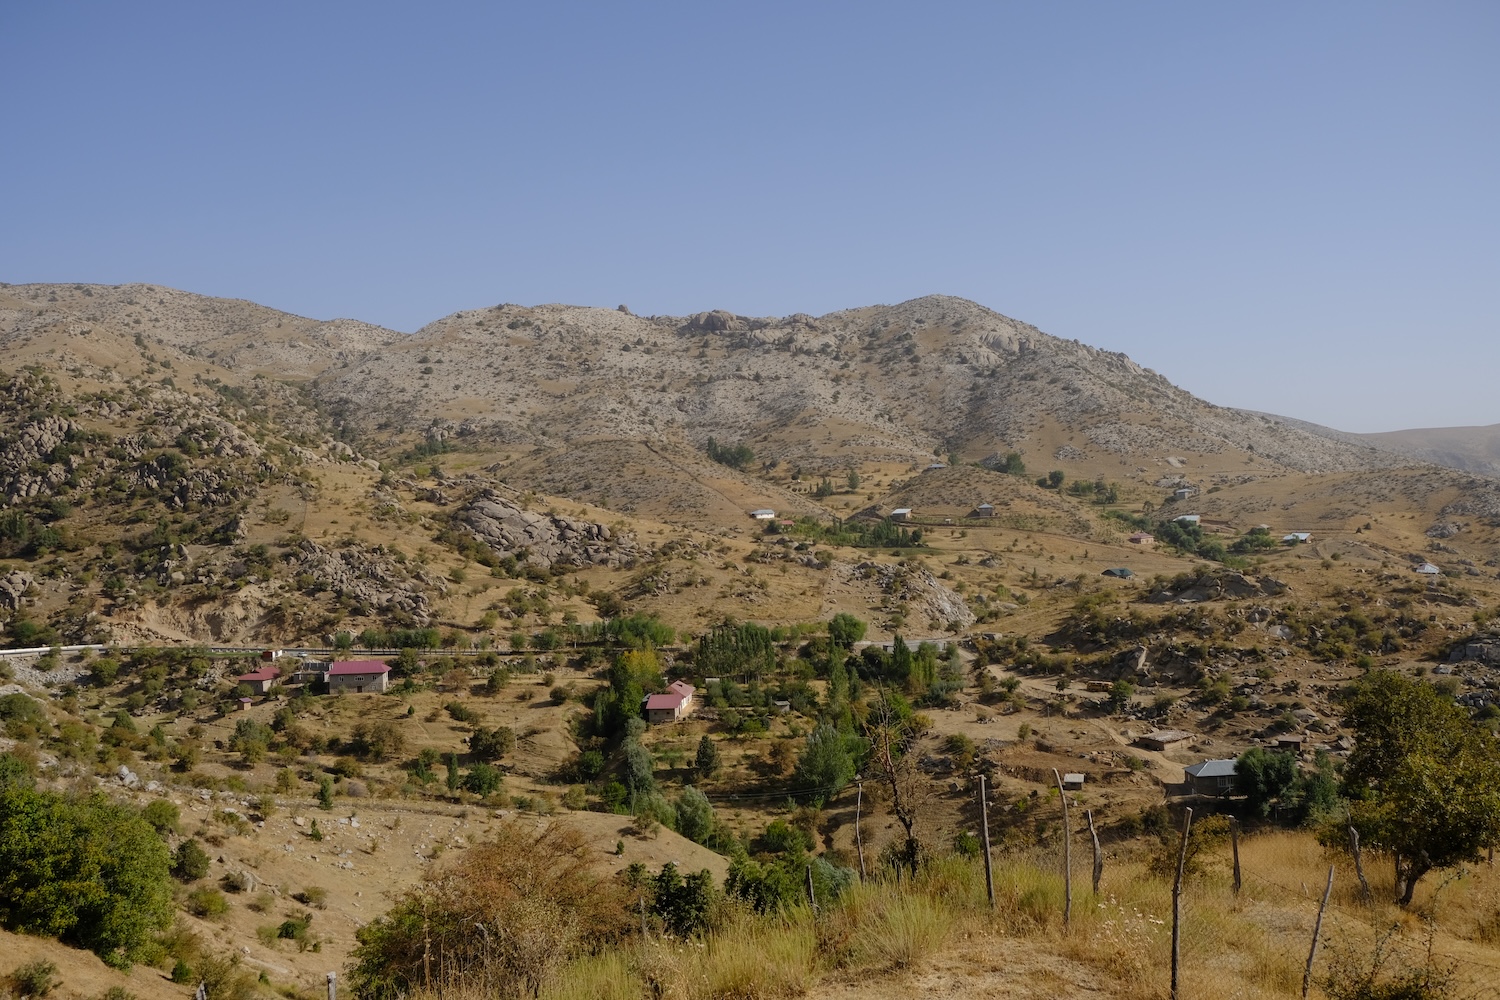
{"x": 1287, "y": 207}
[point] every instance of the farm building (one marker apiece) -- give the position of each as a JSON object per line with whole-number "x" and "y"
{"x": 764, "y": 514}
{"x": 359, "y": 676}
{"x": 1297, "y": 537}
{"x": 1212, "y": 777}
{"x": 1188, "y": 518}
{"x": 1142, "y": 538}
{"x": 901, "y": 514}
{"x": 985, "y": 510}
{"x": 259, "y": 681}
{"x": 1119, "y": 572}
{"x": 670, "y": 705}
{"x": 1164, "y": 739}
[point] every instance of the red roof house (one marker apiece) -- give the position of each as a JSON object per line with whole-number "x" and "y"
{"x": 259, "y": 681}
{"x": 359, "y": 676}
{"x": 672, "y": 704}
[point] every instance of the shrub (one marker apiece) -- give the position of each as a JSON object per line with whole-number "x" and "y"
{"x": 207, "y": 902}
{"x": 162, "y": 815}
{"x": 189, "y": 861}
{"x": 313, "y": 895}
{"x": 34, "y": 979}
{"x": 89, "y": 871}
{"x": 539, "y": 885}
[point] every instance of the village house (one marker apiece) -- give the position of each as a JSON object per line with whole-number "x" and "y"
{"x": 1164, "y": 739}
{"x": 1289, "y": 741}
{"x": 670, "y": 705}
{"x": 1142, "y": 538}
{"x": 259, "y": 681}
{"x": 764, "y": 514}
{"x": 901, "y": 514}
{"x": 1072, "y": 782}
{"x": 1188, "y": 518}
{"x": 985, "y": 510}
{"x": 1297, "y": 537}
{"x": 1212, "y": 777}
{"x": 359, "y": 676}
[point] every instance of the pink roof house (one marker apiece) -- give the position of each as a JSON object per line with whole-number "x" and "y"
{"x": 359, "y": 676}
{"x": 672, "y": 704}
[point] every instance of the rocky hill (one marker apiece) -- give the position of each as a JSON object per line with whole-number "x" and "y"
{"x": 932, "y": 376}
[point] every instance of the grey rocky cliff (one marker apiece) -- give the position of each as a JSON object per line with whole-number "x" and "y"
{"x": 370, "y": 577}
{"x": 544, "y": 540}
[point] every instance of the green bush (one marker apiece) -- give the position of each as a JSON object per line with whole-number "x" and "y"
{"x": 189, "y": 861}
{"x": 34, "y": 979}
{"x": 207, "y": 902}
{"x": 88, "y": 871}
{"x": 162, "y": 815}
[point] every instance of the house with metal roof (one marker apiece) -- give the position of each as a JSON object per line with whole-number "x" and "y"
{"x": 671, "y": 704}
{"x": 259, "y": 681}
{"x": 359, "y": 676}
{"x": 1212, "y": 777}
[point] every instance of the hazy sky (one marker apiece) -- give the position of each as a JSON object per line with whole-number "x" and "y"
{"x": 1291, "y": 207}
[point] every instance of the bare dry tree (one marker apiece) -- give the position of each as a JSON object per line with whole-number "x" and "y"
{"x": 891, "y": 739}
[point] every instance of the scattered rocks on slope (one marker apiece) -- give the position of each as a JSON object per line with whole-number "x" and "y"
{"x": 368, "y": 576}
{"x": 920, "y": 591}
{"x": 543, "y": 540}
{"x": 13, "y": 587}
{"x": 1210, "y": 587}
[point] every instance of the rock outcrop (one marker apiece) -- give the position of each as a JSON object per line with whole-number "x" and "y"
{"x": 13, "y": 587}
{"x": 544, "y": 540}
{"x": 370, "y": 577}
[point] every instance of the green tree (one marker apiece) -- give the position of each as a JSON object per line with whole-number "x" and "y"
{"x": 845, "y": 630}
{"x": 482, "y": 779}
{"x": 88, "y": 871}
{"x": 492, "y": 744}
{"x": 1424, "y": 780}
{"x": 827, "y": 762}
{"x": 189, "y": 861}
{"x": 683, "y": 904}
{"x": 1119, "y": 695}
{"x": 454, "y": 780}
{"x": 695, "y": 815}
{"x": 706, "y": 761}
{"x": 853, "y": 481}
{"x": 1265, "y": 777}
{"x": 639, "y": 768}
{"x": 162, "y": 815}
{"x": 325, "y": 792}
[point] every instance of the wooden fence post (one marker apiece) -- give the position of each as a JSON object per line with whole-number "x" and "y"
{"x": 426, "y": 948}
{"x": 859, "y": 840}
{"x": 984, "y": 829}
{"x": 1234, "y": 840}
{"x": 1067, "y": 854}
{"x": 1187, "y": 825}
{"x": 1098, "y": 854}
{"x": 1359, "y": 865}
{"x": 1312, "y": 952}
